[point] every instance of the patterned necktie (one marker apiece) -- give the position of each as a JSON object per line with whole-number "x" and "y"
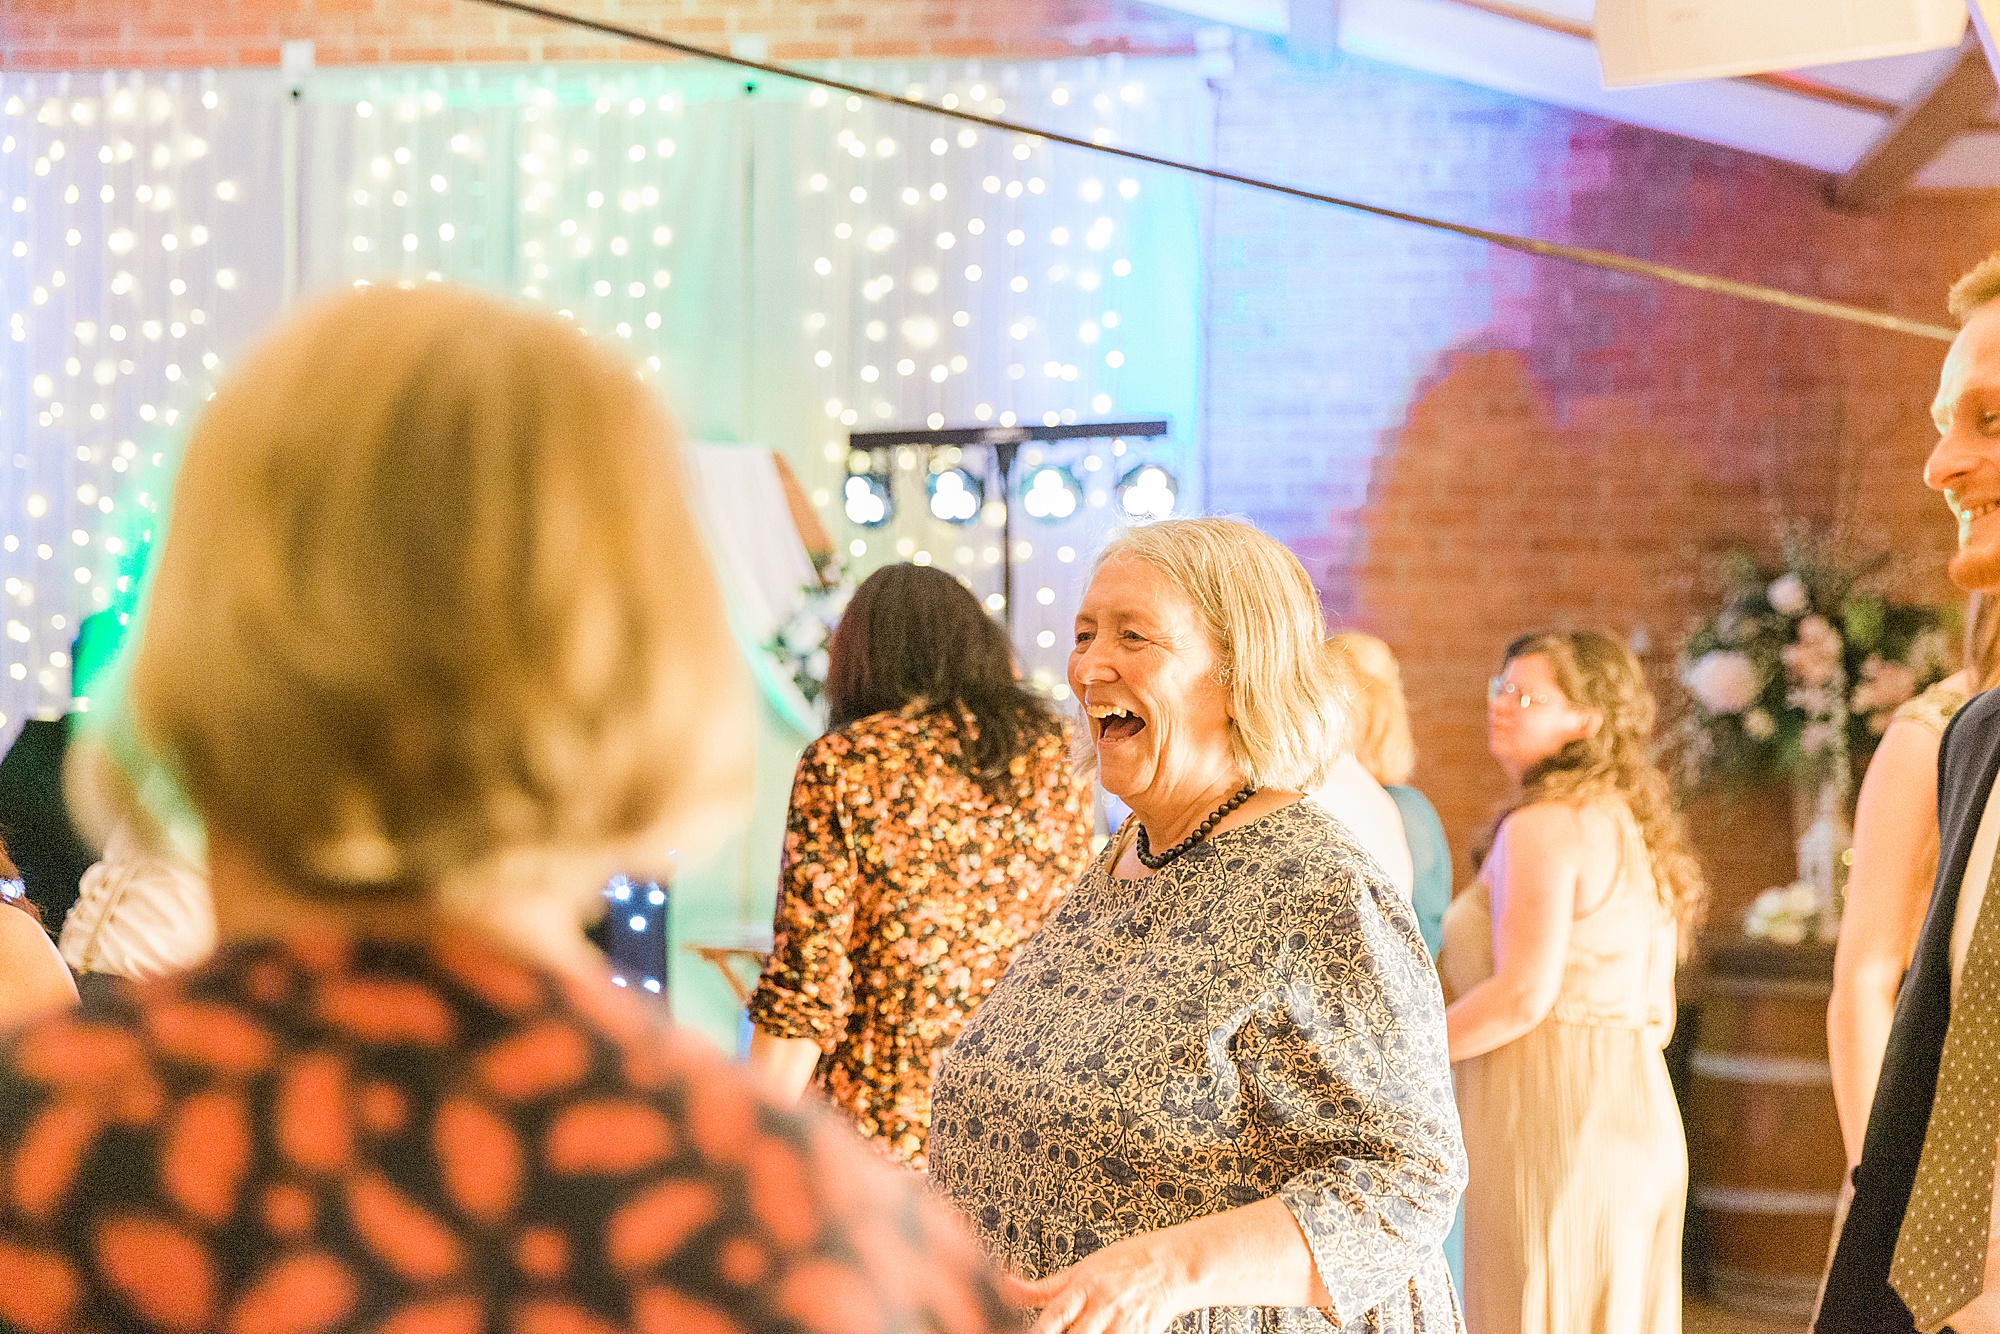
{"x": 1940, "y": 1260}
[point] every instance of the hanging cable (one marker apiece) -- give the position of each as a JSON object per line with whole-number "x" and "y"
{"x": 1596, "y": 259}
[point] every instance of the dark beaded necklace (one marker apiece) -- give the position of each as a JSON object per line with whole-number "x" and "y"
{"x": 1180, "y": 849}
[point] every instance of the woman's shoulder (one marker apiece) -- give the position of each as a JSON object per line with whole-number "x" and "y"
{"x": 1297, "y": 845}
{"x": 889, "y": 732}
{"x": 1557, "y": 822}
{"x": 1934, "y": 708}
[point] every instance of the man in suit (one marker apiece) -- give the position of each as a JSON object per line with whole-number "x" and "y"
{"x": 1919, "y": 1249}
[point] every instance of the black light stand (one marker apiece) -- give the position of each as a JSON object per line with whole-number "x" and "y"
{"x": 1005, "y": 442}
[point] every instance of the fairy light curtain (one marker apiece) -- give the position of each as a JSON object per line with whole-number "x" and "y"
{"x": 138, "y": 251}
{"x": 791, "y": 267}
{"x": 794, "y": 266}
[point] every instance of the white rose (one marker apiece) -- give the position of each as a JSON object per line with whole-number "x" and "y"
{"x": 1723, "y": 681}
{"x": 1787, "y": 595}
{"x": 1759, "y": 724}
{"x": 1787, "y": 931}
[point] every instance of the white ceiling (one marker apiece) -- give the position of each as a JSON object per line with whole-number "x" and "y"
{"x": 1459, "y": 41}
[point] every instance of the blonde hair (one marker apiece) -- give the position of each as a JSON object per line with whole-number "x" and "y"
{"x": 1979, "y": 285}
{"x": 1263, "y": 618}
{"x": 1380, "y": 715}
{"x": 431, "y": 592}
{"x": 1597, "y": 671}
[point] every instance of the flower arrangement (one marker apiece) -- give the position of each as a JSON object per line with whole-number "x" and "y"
{"x": 799, "y": 647}
{"x": 1800, "y": 672}
{"x": 1790, "y": 915}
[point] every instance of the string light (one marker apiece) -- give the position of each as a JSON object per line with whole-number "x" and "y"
{"x": 927, "y": 247}
{"x": 122, "y": 184}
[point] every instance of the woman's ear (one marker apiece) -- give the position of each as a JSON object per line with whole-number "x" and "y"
{"x": 1590, "y": 722}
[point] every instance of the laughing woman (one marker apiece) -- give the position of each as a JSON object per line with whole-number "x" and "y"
{"x": 1212, "y": 1092}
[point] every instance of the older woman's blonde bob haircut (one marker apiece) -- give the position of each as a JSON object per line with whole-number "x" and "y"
{"x": 1287, "y": 711}
{"x": 1380, "y": 715}
{"x": 431, "y": 594}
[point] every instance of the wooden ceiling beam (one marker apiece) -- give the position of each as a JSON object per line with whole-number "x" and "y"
{"x": 1955, "y": 101}
{"x": 1798, "y": 85}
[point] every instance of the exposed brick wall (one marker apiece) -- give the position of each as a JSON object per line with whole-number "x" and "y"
{"x": 69, "y": 34}
{"x": 1461, "y": 443}
{"x": 1464, "y": 444}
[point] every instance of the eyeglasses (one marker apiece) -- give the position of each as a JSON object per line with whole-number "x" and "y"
{"x": 1499, "y": 688}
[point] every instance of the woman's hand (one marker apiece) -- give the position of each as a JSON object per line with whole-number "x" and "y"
{"x": 1135, "y": 1286}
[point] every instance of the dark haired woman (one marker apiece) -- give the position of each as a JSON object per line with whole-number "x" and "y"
{"x": 1559, "y": 965}
{"x": 931, "y": 829}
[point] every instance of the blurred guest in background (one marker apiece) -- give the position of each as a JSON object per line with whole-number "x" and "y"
{"x": 1380, "y": 718}
{"x": 931, "y": 829}
{"x": 1559, "y": 964}
{"x": 143, "y": 911}
{"x": 35, "y": 819}
{"x": 1889, "y": 882}
{"x": 1175, "y": 1109}
{"x": 432, "y": 648}
{"x": 33, "y": 978}
{"x": 1356, "y": 798}
{"x": 1384, "y": 748}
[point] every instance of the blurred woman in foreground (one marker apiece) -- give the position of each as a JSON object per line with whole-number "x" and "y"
{"x": 432, "y": 649}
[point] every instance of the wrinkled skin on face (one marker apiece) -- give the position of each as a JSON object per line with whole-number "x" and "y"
{"x": 1521, "y": 738}
{"x": 1144, "y": 669}
{"x": 1965, "y": 465}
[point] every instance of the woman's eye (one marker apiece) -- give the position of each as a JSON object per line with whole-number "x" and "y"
{"x": 1133, "y": 637}
{"x": 1082, "y": 637}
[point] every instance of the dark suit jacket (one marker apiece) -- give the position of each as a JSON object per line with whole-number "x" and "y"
{"x": 1858, "y": 1297}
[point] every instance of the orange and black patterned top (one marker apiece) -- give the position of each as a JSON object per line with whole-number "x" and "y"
{"x": 903, "y": 895}
{"x": 333, "y": 1136}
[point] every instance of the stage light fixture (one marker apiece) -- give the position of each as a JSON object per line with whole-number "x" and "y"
{"x": 956, "y": 496}
{"x": 1050, "y": 493}
{"x": 867, "y": 501}
{"x": 1148, "y": 492}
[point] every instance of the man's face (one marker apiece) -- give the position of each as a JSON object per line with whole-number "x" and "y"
{"x": 1966, "y": 463}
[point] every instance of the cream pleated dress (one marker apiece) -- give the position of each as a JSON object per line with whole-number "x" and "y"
{"x": 1578, "y": 1162}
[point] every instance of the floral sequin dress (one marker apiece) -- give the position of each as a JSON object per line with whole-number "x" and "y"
{"x": 904, "y": 893}
{"x": 1260, "y": 1018}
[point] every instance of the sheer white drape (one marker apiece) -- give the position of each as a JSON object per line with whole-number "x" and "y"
{"x": 139, "y": 250}
{"x": 795, "y": 266}
{"x": 790, "y": 266}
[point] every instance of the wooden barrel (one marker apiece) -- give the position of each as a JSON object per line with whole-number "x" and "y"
{"x": 1764, "y": 1145}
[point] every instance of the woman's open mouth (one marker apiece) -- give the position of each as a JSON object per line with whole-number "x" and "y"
{"x": 1115, "y": 724}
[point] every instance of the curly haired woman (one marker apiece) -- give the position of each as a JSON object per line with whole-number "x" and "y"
{"x": 1559, "y": 966}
